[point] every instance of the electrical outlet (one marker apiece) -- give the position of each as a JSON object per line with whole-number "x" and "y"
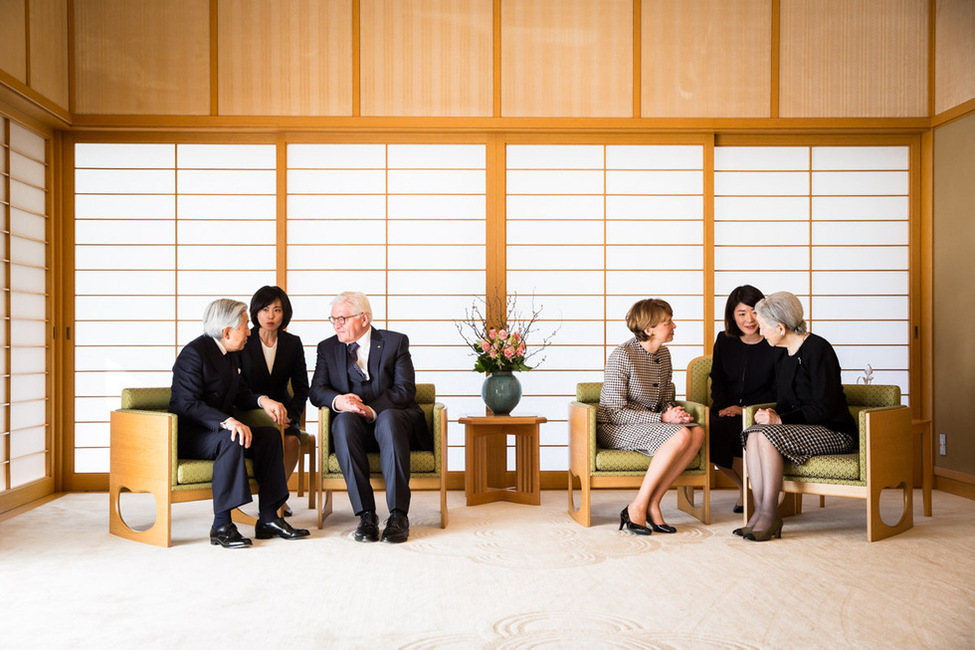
{"x": 943, "y": 444}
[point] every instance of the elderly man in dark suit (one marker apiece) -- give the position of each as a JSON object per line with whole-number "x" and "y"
{"x": 207, "y": 385}
{"x": 366, "y": 377}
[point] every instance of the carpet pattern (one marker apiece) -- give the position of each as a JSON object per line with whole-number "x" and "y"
{"x": 499, "y": 576}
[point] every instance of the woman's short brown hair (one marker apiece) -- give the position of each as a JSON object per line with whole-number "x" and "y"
{"x": 645, "y": 314}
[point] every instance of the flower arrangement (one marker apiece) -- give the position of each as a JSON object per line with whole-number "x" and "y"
{"x": 501, "y": 345}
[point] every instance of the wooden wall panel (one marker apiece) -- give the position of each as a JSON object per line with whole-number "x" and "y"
{"x": 954, "y": 53}
{"x": 426, "y": 57}
{"x": 954, "y": 293}
{"x": 853, "y": 58}
{"x": 566, "y": 58}
{"x": 49, "y": 49}
{"x": 13, "y": 39}
{"x": 284, "y": 57}
{"x": 136, "y": 57}
{"x": 706, "y": 58}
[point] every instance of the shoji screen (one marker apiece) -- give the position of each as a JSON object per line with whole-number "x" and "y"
{"x": 590, "y": 230}
{"x": 829, "y": 224}
{"x": 24, "y": 436}
{"x": 405, "y": 224}
{"x": 160, "y": 230}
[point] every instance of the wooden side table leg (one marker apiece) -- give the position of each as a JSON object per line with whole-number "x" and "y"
{"x": 528, "y": 474}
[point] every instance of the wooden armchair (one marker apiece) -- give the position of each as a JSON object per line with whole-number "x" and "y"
{"x": 591, "y": 466}
{"x": 428, "y": 469}
{"x": 883, "y": 459}
{"x": 144, "y": 460}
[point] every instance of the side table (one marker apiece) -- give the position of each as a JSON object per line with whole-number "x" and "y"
{"x": 486, "y": 459}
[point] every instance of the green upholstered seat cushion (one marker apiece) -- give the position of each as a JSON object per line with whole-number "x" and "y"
{"x": 191, "y": 471}
{"x": 844, "y": 467}
{"x": 619, "y": 460}
{"x": 421, "y": 462}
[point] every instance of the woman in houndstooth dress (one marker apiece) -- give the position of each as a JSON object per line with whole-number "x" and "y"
{"x": 810, "y": 418}
{"x": 636, "y": 412}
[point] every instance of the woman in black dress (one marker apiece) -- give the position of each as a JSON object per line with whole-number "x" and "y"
{"x": 742, "y": 373}
{"x": 274, "y": 358}
{"x": 810, "y": 418}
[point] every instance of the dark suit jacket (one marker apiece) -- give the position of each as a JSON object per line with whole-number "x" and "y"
{"x": 391, "y": 375}
{"x": 207, "y": 385}
{"x": 289, "y": 365}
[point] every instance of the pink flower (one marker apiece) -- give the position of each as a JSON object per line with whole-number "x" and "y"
{"x": 516, "y": 336}
{"x": 492, "y": 334}
{"x": 521, "y": 349}
{"x": 494, "y": 354}
{"x": 503, "y": 334}
{"x": 508, "y": 353}
{"x": 485, "y": 346}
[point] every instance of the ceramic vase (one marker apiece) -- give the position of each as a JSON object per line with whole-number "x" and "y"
{"x": 501, "y": 392}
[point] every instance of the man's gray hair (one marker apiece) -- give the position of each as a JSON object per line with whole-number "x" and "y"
{"x": 220, "y": 314}
{"x": 784, "y": 308}
{"x": 356, "y": 300}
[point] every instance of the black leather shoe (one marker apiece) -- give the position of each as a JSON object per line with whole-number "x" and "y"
{"x": 397, "y": 528}
{"x": 278, "y": 527}
{"x": 661, "y": 528}
{"x": 368, "y": 528}
{"x": 228, "y": 536}
{"x": 634, "y": 528}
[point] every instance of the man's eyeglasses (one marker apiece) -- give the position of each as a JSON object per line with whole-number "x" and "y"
{"x": 339, "y": 321}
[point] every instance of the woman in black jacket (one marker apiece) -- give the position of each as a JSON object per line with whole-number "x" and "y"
{"x": 274, "y": 358}
{"x": 810, "y": 418}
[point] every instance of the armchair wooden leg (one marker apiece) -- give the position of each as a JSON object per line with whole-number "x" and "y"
{"x": 791, "y": 504}
{"x": 159, "y": 534}
{"x": 238, "y": 516}
{"x": 311, "y": 472}
{"x": 685, "y": 502}
{"x": 326, "y": 508}
{"x": 876, "y": 528}
{"x": 583, "y": 514}
{"x": 443, "y": 502}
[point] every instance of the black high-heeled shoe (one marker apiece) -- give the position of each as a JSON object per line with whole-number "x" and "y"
{"x": 775, "y": 530}
{"x": 632, "y": 527}
{"x": 661, "y": 528}
{"x": 744, "y": 530}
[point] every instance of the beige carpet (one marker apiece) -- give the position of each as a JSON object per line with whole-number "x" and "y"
{"x": 499, "y": 576}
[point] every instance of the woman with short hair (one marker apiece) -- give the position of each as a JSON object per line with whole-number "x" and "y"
{"x": 637, "y": 412}
{"x": 274, "y": 358}
{"x": 810, "y": 418}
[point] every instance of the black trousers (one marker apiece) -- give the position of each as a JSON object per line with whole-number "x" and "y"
{"x": 231, "y": 487}
{"x": 353, "y": 438}
{"x": 725, "y": 434}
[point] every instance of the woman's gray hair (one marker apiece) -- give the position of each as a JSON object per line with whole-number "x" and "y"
{"x": 783, "y": 308}
{"x": 221, "y": 314}
{"x": 356, "y": 300}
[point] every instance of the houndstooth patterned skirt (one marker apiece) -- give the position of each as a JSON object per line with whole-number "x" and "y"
{"x": 644, "y": 438}
{"x": 800, "y": 442}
